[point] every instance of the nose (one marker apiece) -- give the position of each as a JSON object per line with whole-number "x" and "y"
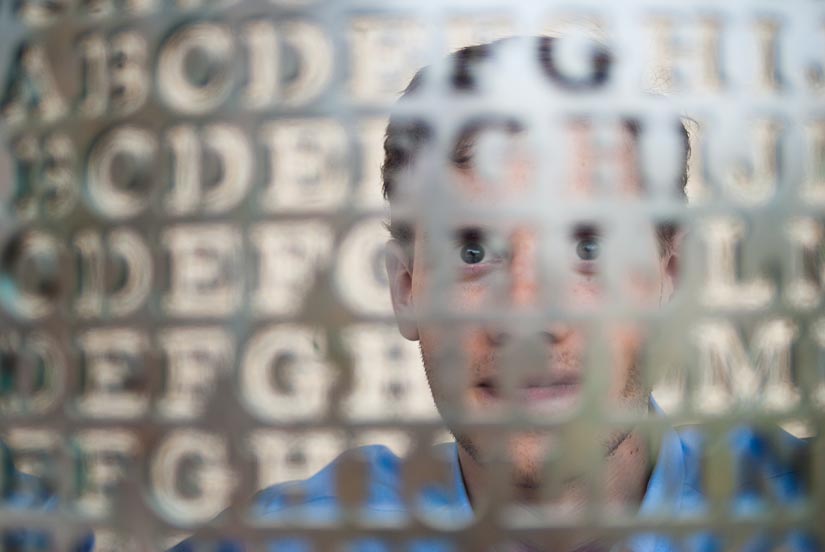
{"x": 524, "y": 291}
{"x": 523, "y": 268}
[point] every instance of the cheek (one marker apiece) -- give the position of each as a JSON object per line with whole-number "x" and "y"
{"x": 463, "y": 296}
{"x": 458, "y": 344}
{"x": 585, "y": 293}
{"x": 441, "y": 340}
{"x": 645, "y": 288}
{"x": 470, "y": 297}
{"x": 627, "y": 343}
{"x": 642, "y": 289}
{"x": 475, "y": 344}
{"x": 470, "y": 343}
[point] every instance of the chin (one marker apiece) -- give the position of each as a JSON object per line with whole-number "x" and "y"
{"x": 527, "y": 454}
{"x": 531, "y": 444}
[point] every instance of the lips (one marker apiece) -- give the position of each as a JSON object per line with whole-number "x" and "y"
{"x": 541, "y": 389}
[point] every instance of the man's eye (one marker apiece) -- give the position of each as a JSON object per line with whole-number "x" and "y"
{"x": 588, "y": 248}
{"x": 472, "y": 253}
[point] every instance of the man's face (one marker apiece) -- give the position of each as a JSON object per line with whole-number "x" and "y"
{"x": 499, "y": 279}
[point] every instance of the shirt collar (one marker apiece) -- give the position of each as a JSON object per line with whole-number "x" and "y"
{"x": 666, "y": 483}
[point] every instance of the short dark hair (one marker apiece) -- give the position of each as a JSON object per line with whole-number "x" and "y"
{"x": 406, "y": 136}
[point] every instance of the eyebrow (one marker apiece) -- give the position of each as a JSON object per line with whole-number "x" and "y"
{"x": 585, "y": 229}
{"x": 464, "y": 149}
{"x": 469, "y": 234}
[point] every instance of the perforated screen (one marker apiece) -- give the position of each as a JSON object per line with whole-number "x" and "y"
{"x": 563, "y": 291}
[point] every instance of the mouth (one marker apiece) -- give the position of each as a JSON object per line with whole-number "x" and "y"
{"x": 532, "y": 391}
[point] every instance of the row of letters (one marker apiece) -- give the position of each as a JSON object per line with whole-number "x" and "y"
{"x": 269, "y": 270}
{"x": 287, "y": 373}
{"x": 262, "y": 63}
{"x": 280, "y": 374}
{"x": 319, "y": 165}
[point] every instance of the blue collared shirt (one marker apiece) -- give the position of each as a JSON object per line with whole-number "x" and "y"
{"x": 763, "y": 478}
{"x": 26, "y": 493}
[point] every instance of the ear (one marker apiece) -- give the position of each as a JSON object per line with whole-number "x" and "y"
{"x": 399, "y": 272}
{"x": 670, "y": 267}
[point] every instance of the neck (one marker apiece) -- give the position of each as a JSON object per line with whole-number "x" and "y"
{"x": 625, "y": 474}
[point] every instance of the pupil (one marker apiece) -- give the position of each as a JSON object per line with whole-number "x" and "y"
{"x": 472, "y": 253}
{"x": 588, "y": 249}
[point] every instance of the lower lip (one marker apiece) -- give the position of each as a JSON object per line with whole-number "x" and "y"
{"x": 536, "y": 394}
{"x": 551, "y": 392}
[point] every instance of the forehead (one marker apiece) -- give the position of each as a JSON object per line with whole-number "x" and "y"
{"x": 574, "y": 160}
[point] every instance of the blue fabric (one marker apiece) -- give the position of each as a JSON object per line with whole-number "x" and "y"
{"x": 24, "y": 492}
{"x": 762, "y": 471}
